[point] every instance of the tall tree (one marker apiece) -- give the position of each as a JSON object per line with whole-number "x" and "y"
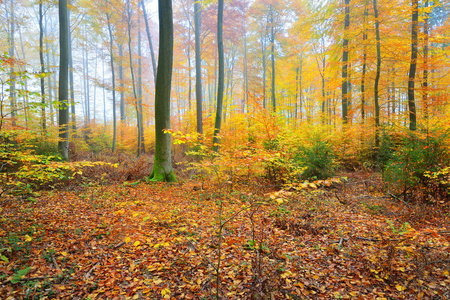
{"x": 221, "y": 79}
{"x": 12, "y": 88}
{"x": 345, "y": 91}
{"x": 41, "y": 60}
{"x": 413, "y": 64}
{"x": 377, "y": 76}
{"x": 149, "y": 38}
{"x": 272, "y": 55}
{"x": 425, "y": 61}
{"x": 162, "y": 165}
{"x": 63, "y": 143}
{"x": 198, "y": 66}
{"x": 364, "y": 66}
{"x": 113, "y": 79}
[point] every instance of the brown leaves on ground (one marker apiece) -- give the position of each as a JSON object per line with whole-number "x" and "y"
{"x": 160, "y": 241}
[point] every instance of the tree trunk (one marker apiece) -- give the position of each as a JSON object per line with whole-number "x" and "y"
{"x": 72, "y": 90}
{"x": 162, "y": 166}
{"x": 133, "y": 79}
{"x": 245, "y": 83}
{"x": 364, "y": 67}
{"x": 272, "y": 42}
{"x": 12, "y": 88}
{"x": 345, "y": 93}
{"x": 149, "y": 37}
{"x": 425, "y": 62}
{"x": 141, "y": 116}
{"x": 113, "y": 79}
{"x": 122, "y": 98}
{"x": 41, "y": 60}
{"x": 377, "y": 77}
{"x": 413, "y": 65}
{"x": 63, "y": 143}
{"x": 220, "y": 85}
{"x": 263, "y": 53}
{"x": 198, "y": 67}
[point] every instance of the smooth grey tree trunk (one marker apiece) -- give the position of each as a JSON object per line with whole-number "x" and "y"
{"x": 149, "y": 37}
{"x": 133, "y": 81}
{"x": 345, "y": 92}
{"x": 221, "y": 79}
{"x": 162, "y": 165}
{"x": 377, "y": 76}
{"x": 272, "y": 42}
{"x": 141, "y": 114}
{"x": 122, "y": 98}
{"x": 413, "y": 65}
{"x": 12, "y": 88}
{"x": 113, "y": 79}
{"x": 72, "y": 90}
{"x": 63, "y": 143}
{"x": 364, "y": 66}
{"x": 41, "y": 60}
{"x": 198, "y": 67}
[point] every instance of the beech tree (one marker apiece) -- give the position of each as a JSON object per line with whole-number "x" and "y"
{"x": 162, "y": 164}
{"x": 63, "y": 90}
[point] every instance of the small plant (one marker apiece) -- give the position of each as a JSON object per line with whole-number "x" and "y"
{"x": 17, "y": 277}
{"x": 317, "y": 157}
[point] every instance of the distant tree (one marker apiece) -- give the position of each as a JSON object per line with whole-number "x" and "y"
{"x": 198, "y": 68}
{"x": 345, "y": 91}
{"x": 413, "y": 64}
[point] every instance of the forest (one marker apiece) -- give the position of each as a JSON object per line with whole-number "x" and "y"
{"x": 184, "y": 149}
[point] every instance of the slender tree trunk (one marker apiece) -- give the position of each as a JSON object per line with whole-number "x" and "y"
{"x": 189, "y": 69}
{"x": 425, "y": 62}
{"x": 113, "y": 79}
{"x": 377, "y": 77}
{"x": 72, "y": 89}
{"x": 88, "y": 100}
{"x": 63, "y": 143}
{"x": 198, "y": 67}
{"x": 41, "y": 60}
{"x": 141, "y": 116}
{"x": 133, "y": 78}
{"x": 263, "y": 52}
{"x": 162, "y": 166}
{"x": 49, "y": 79}
{"x": 345, "y": 92}
{"x": 103, "y": 93}
{"x": 122, "y": 98}
{"x": 12, "y": 88}
{"x": 413, "y": 65}
{"x": 272, "y": 42}
{"x": 245, "y": 83}
{"x": 149, "y": 37}
{"x": 301, "y": 89}
{"x": 220, "y": 85}
{"x": 364, "y": 67}
{"x": 25, "y": 95}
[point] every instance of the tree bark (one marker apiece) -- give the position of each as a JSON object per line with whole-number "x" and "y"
{"x": 41, "y": 60}
{"x": 12, "y": 88}
{"x": 149, "y": 37}
{"x": 272, "y": 42}
{"x": 113, "y": 79}
{"x": 162, "y": 166}
{"x": 122, "y": 98}
{"x": 345, "y": 92}
{"x": 72, "y": 90}
{"x": 141, "y": 115}
{"x": 198, "y": 67}
{"x": 377, "y": 77}
{"x": 63, "y": 143}
{"x": 221, "y": 79}
{"x": 364, "y": 67}
{"x": 413, "y": 65}
{"x": 425, "y": 62}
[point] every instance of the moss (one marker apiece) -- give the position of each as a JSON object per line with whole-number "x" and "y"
{"x": 160, "y": 175}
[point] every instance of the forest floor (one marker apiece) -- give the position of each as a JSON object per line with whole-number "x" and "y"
{"x": 336, "y": 239}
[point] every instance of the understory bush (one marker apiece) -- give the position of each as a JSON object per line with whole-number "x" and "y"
{"x": 417, "y": 155}
{"x": 317, "y": 156}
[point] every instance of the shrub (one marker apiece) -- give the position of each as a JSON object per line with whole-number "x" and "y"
{"x": 317, "y": 156}
{"x": 418, "y": 154}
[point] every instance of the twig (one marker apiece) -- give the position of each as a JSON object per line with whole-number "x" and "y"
{"x": 397, "y": 198}
{"x": 339, "y": 199}
{"x": 90, "y": 270}
{"x": 119, "y": 245}
{"x": 340, "y": 242}
{"x": 55, "y": 263}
